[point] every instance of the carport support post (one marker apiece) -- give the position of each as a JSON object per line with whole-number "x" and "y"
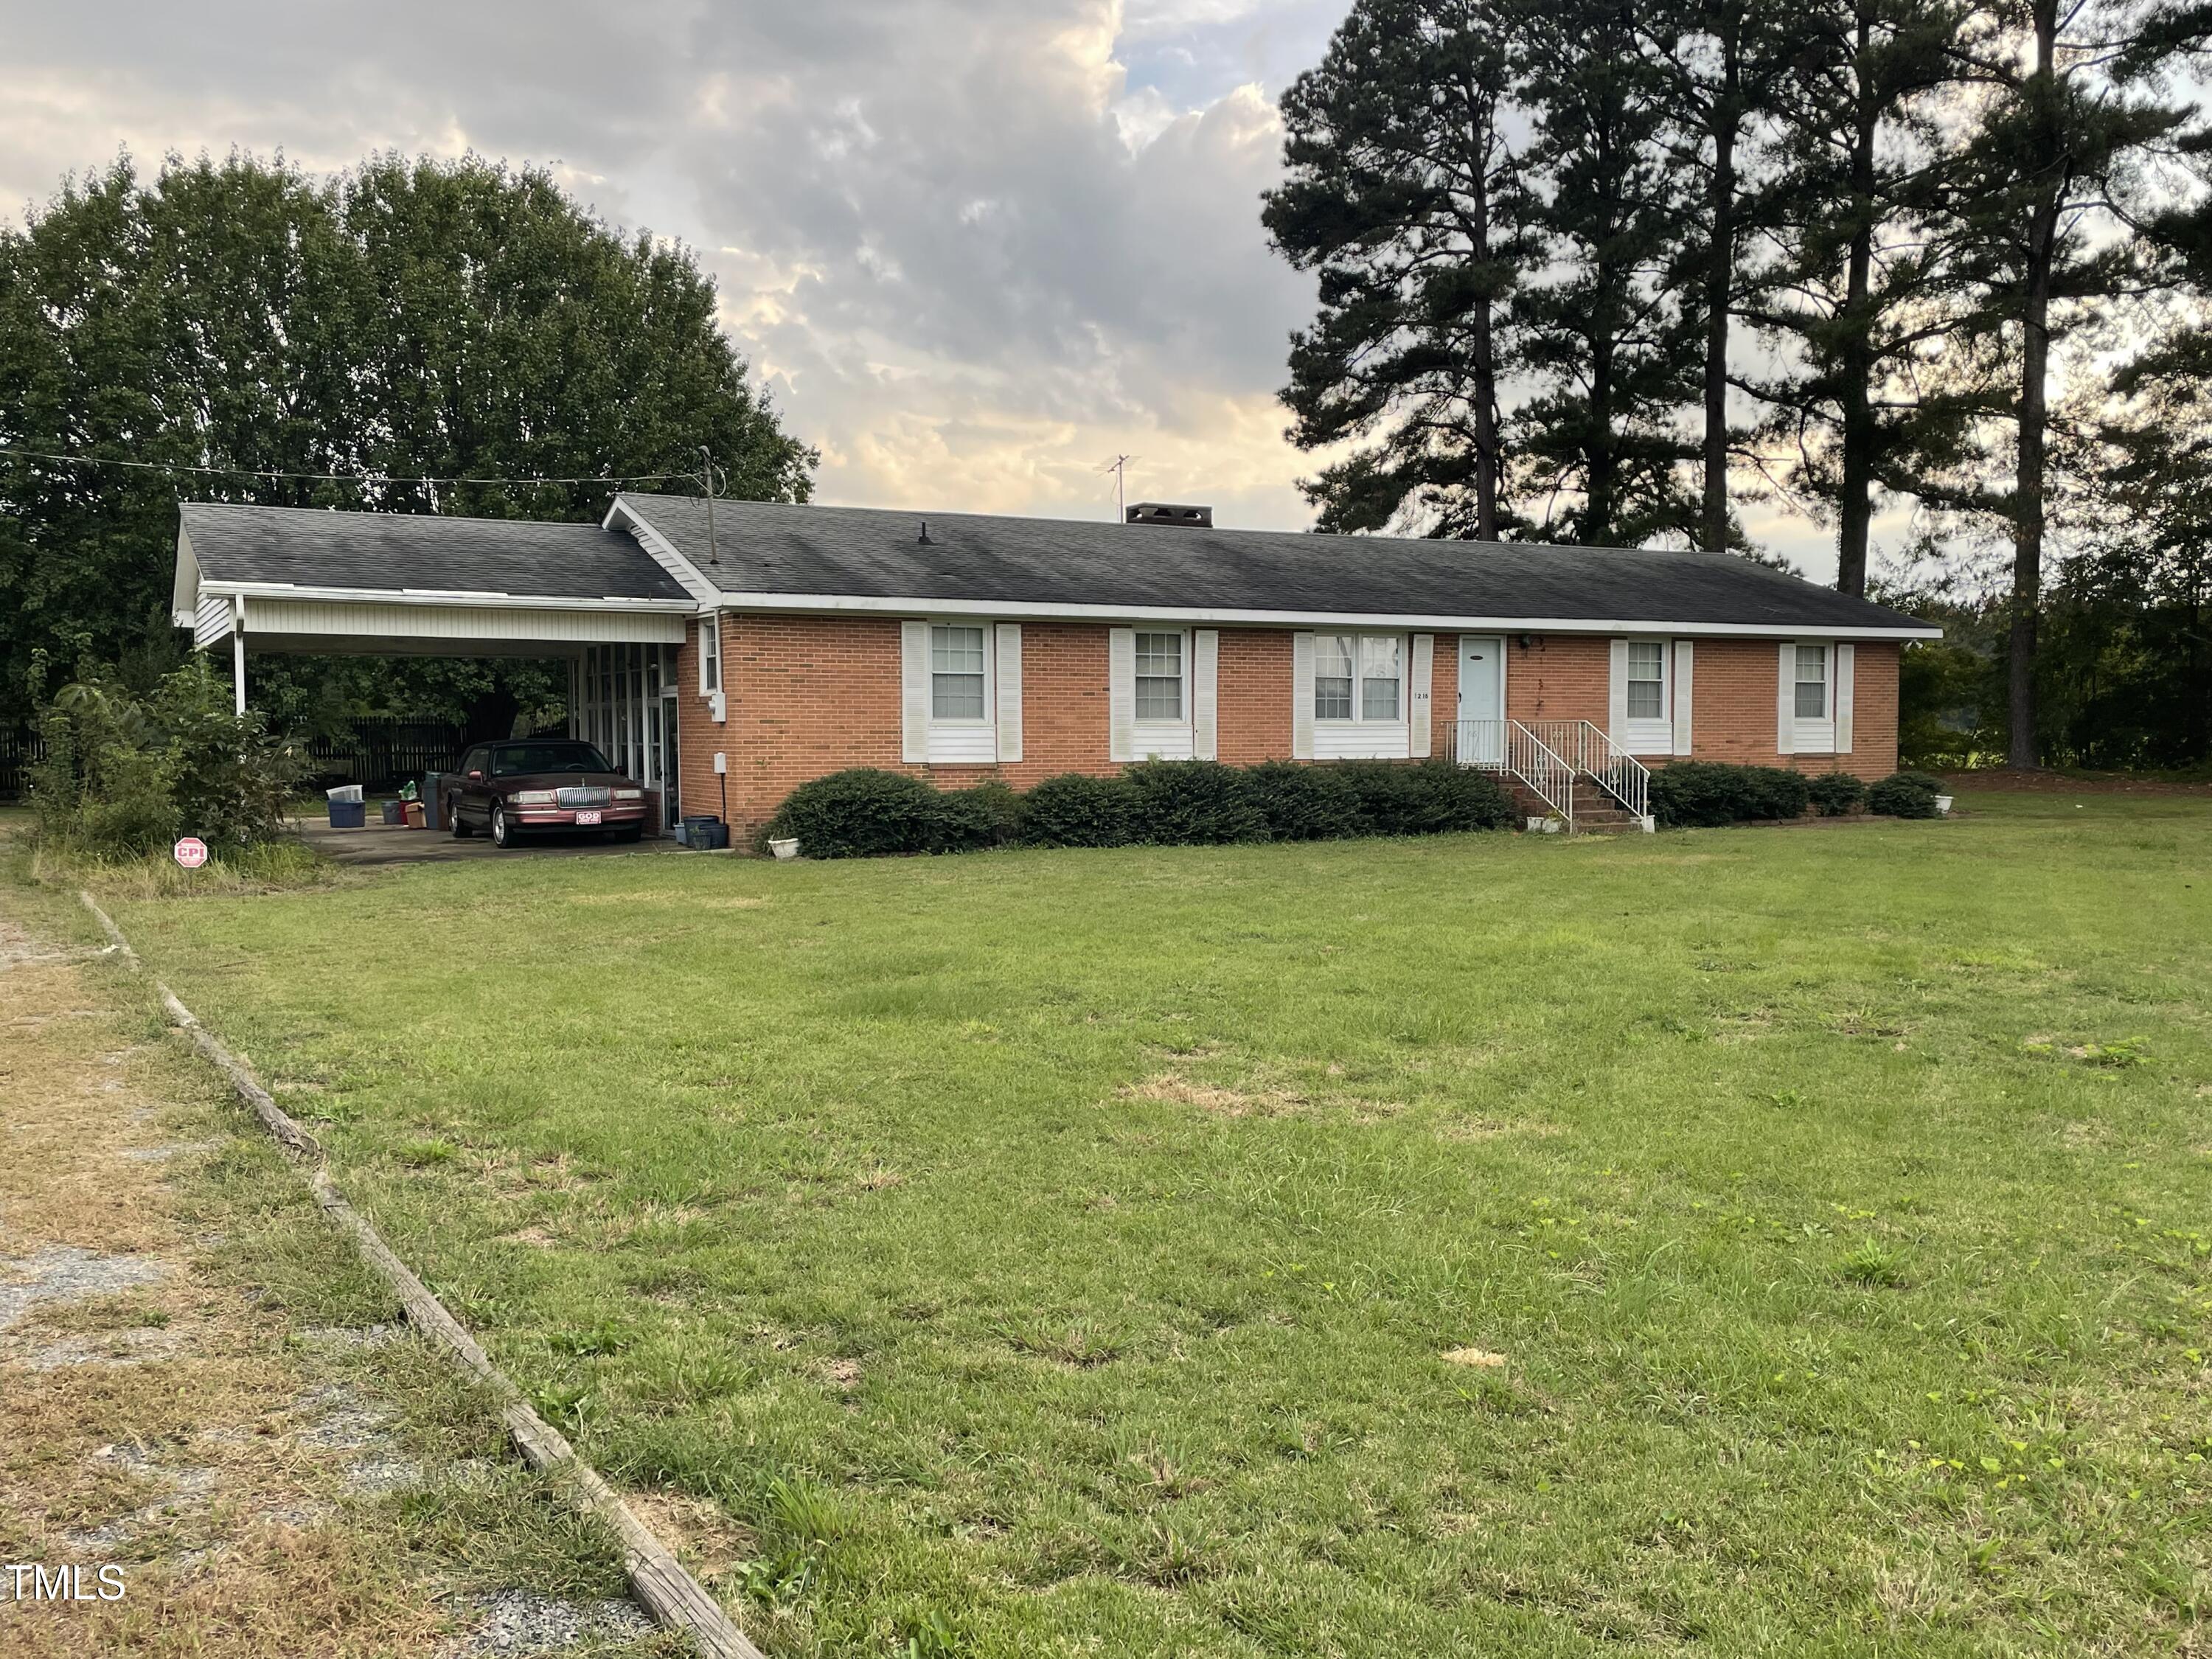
{"x": 238, "y": 668}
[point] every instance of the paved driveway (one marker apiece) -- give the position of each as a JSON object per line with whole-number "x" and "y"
{"x": 391, "y": 843}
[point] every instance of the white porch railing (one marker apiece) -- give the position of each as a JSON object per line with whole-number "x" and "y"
{"x": 1550, "y": 758}
{"x": 1595, "y": 756}
{"x": 1509, "y": 746}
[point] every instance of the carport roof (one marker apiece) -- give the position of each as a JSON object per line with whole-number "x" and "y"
{"x": 419, "y": 554}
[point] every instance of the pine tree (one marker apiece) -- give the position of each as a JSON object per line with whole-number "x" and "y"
{"x": 1859, "y": 301}
{"x": 2049, "y": 191}
{"x": 1720, "y": 65}
{"x": 1403, "y": 193}
{"x": 1613, "y": 351}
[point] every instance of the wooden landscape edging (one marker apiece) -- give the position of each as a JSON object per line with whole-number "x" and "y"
{"x": 660, "y": 1581}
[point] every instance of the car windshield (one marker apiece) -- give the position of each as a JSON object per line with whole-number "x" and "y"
{"x": 516, "y": 759}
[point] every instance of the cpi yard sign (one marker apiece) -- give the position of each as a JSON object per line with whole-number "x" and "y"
{"x": 191, "y": 851}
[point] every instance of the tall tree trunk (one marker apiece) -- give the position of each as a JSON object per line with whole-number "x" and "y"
{"x": 2022, "y": 749}
{"x": 1597, "y": 518}
{"x": 1720, "y": 296}
{"x": 1720, "y": 288}
{"x": 1855, "y": 498}
{"x": 1485, "y": 361}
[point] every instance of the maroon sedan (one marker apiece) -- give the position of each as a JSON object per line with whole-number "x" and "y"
{"x": 536, "y": 784}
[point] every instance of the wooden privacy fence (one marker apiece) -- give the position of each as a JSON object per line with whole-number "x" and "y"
{"x": 385, "y": 754}
{"x": 20, "y": 750}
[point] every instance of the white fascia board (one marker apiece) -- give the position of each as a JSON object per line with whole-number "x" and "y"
{"x": 661, "y": 550}
{"x": 184, "y": 593}
{"x": 425, "y": 595}
{"x": 833, "y": 604}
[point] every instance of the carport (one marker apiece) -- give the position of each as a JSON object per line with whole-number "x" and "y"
{"x": 261, "y": 578}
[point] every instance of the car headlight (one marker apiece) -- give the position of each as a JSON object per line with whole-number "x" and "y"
{"x": 629, "y": 794}
{"x": 532, "y": 798}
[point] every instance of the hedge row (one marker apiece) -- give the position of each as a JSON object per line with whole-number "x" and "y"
{"x": 867, "y": 813}
{"x": 1707, "y": 792}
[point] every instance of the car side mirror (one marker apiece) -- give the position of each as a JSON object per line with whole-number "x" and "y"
{"x": 478, "y": 775}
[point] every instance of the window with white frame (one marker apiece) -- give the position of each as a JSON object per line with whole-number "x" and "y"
{"x": 1359, "y": 678}
{"x": 1814, "y": 701}
{"x": 1647, "y": 679}
{"x": 1160, "y": 677}
{"x": 959, "y": 672}
{"x": 710, "y": 655}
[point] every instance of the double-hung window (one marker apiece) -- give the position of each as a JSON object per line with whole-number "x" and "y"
{"x": 710, "y": 655}
{"x": 1813, "y": 682}
{"x": 958, "y": 673}
{"x": 1647, "y": 680}
{"x": 1360, "y": 678}
{"x": 1360, "y": 697}
{"x": 1813, "y": 700}
{"x": 1160, "y": 678}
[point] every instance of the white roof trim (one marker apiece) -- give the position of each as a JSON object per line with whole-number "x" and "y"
{"x": 426, "y": 596}
{"x": 831, "y": 604}
{"x": 660, "y": 550}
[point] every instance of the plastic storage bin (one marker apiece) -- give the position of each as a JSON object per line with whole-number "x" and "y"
{"x": 706, "y": 833}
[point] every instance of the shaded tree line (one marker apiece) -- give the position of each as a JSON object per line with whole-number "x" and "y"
{"x": 408, "y": 320}
{"x": 1626, "y": 271}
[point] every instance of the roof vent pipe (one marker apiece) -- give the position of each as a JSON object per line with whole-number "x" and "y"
{"x": 924, "y": 538}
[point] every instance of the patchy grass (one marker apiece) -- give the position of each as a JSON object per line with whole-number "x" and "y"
{"x": 1735, "y": 1240}
{"x": 272, "y": 1465}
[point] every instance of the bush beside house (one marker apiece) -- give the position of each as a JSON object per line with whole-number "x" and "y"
{"x": 865, "y": 811}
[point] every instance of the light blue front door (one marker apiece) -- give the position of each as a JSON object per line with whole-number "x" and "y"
{"x": 1482, "y": 698}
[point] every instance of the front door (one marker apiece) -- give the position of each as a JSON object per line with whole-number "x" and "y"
{"x": 1482, "y": 699}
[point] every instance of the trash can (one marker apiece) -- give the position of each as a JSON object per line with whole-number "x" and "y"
{"x": 393, "y": 811}
{"x": 430, "y": 817}
{"x": 347, "y": 811}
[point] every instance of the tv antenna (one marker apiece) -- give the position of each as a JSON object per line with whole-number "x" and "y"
{"x": 1118, "y": 466}
{"x": 706, "y": 483}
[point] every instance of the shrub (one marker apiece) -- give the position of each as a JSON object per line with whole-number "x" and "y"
{"x": 1423, "y": 797}
{"x": 1304, "y": 803}
{"x": 1928, "y": 781}
{"x": 124, "y": 775}
{"x": 861, "y": 814}
{"x": 989, "y": 815}
{"x": 1708, "y": 793}
{"x": 1077, "y": 809}
{"x": 1194, "y": 803}
{"x": 1835, "y": 793}
{"x": 1903, "y": 795}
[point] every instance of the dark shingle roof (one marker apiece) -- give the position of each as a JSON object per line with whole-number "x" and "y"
{"x": 872, "y": 553}
{"x": 391, "y": 551}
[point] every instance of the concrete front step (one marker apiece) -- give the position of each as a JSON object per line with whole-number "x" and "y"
{"x": 1596, "y": 812}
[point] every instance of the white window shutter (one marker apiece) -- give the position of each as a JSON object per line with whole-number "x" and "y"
{"x": 1684, "y": 683}
{"x": 1009, "y": 691}
{"x": 913, "y": 687}
{"x": 1785, "y": 700}
{"x": 1616, "y": 696}
{"x": 1205, "y": 686}
{"x": 1301, "y": 695}
{"x": 1121, "y": 694}
{"x": 1417, "y": 698}
{"x": 1845, "y": 664}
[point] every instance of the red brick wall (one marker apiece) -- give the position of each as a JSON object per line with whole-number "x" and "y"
{"x": 809, "y": 696}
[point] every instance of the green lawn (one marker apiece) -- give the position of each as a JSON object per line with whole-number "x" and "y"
{"x": 1058, "y": 1252}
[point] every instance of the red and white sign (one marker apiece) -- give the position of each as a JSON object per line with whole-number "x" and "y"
{"x": 191, "y": 851}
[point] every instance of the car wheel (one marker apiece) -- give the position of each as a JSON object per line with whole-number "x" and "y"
{"x": 501, "y": 834}
{"x": 461, "y": 831}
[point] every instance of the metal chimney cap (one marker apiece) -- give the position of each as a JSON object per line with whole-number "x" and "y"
{"x": 1176, "y": 512}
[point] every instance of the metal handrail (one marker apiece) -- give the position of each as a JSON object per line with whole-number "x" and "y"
{"x": 1509, "y": 746}
{"x": 1593, "y": 753}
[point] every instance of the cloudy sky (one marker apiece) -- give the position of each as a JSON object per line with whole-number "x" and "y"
{"x": 975, "y": 248}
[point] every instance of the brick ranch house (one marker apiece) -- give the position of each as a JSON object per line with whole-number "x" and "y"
{"x": 726, "y": 655}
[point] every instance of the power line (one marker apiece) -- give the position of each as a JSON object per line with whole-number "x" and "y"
{"x": 318, "y": 478}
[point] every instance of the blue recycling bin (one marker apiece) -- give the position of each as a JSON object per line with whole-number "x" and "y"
{"x": 349, "y": 814}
